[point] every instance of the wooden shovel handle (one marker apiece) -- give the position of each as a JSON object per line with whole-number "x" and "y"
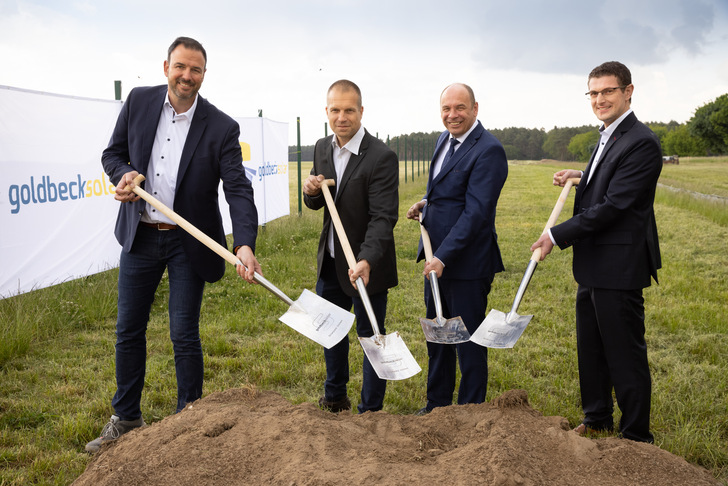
{"x": 426, "y": 243}
{"x": 574, "y": 181}
{"x": 203, "y": 238}
{"x": 186, "y": 225}
{"x": 350, "y": 258}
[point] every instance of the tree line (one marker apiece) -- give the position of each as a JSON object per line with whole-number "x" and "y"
{"x": 706, "y": 133}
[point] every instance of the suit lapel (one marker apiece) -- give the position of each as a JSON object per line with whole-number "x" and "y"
{"x": 354, "y": 161}
{"x": 197, "y": 128}
{"x": 151, "y": 117}
{"x": 590, "y": 164}
{"x": 623, "y": 127}
{"x": 468, "y": 144}
{"x": 443, "y": 138}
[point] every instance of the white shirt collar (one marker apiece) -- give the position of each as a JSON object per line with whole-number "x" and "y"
{"x": 608, "y": 131}
{"x": 465, "y": 135}
{"x": 353, "y": 144}
{"x": 189, "y": 113}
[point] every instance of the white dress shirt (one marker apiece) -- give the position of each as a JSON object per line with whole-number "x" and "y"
{"x": 605, "y": 132}
{"x": 341, "y": 160}
{"x": 169, "y": 141}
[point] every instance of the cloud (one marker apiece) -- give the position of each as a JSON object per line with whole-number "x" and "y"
{"x": 570, "y": 36}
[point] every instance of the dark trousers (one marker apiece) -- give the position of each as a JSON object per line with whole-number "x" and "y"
{"x": 467, "y": 299}
{"x": 140, "y": 272}
{"x": 337, "y": 358}
{"x": 610, "y": 338}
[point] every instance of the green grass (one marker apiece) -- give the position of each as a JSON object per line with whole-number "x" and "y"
{"x": 57, "y": 344}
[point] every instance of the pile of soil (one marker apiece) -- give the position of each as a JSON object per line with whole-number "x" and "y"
{"x": 244, "y": 436}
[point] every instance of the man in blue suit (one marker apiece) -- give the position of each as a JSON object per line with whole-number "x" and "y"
{"x": 184, "y": 146}
{"x": 467, "y": 173}
{"x": 616, "y": 253}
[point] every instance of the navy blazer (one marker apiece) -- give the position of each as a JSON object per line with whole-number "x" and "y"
{"x": 367, "y": 201}
{"x": 613, "y": 228}
{"x": 461, "y": 205}
{"x": 211, "y": 153}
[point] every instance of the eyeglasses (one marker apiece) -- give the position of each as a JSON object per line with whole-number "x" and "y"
{"x": 606, "y": 92}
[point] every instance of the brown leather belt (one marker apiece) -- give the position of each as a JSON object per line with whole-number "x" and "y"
{"x": 160, "y": 226}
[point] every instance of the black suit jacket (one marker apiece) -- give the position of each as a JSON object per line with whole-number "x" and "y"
{"x": 613, "y": 228}
{"x": 211, "y": 153}
{"x": 368, "y": 203}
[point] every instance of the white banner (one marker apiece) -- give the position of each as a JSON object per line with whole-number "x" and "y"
{"x": 264, "y": 144}
{"x": 57, "y": 211}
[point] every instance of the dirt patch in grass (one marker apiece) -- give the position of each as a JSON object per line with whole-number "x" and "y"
{"x": 244, "y": 436}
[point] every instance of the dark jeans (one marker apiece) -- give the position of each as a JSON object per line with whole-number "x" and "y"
{"x": 466, "y": 299}
{"x": 140, "y": 272}
{"x": 337, "y": 358}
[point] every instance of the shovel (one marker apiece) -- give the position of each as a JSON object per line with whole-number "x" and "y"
{"x": 314, "y": 317}
{"x": 500, "y": 330}
{"x": 441, "y": 330}
{"x": 388, "y": 354}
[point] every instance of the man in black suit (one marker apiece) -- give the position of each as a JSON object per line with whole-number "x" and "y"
{"x": 184, "y": 146}
{"x": 367, "y": 199}
{"x": 616, "y": 252}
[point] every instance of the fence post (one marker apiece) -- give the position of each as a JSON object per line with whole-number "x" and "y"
{"x": 298, "y": 135}
{"x": 399, "y": 158}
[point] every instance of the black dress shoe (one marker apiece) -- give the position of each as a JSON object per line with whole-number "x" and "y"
{"x": 422, "y": 411}
{"x": 335, "y": 406}
{"x": 584, "y": 429}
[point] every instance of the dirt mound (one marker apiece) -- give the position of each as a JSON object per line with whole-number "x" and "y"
{"x": 243, "y": 436}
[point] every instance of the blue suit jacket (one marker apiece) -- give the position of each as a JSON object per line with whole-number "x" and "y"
{"x": 613, "y": 228}
{"x": 211, "y": 153}
{"x": 461, "y": 202}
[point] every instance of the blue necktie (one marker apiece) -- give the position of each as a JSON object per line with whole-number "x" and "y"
{"x": 448, "y": 155}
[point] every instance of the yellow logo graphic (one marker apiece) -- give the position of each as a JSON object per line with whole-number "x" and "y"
{"x": 245, "y": 149}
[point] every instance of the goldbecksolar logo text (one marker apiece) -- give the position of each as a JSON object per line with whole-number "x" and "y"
{"x": 43, "y": 189}
{"x": 271, "y": 169}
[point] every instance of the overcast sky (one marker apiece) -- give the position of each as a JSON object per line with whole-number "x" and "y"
{"x": 527, "y": 61}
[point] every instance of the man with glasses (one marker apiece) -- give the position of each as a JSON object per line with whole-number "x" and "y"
{"x": 616, "y": 253}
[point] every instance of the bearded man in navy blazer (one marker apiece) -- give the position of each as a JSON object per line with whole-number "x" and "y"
{"x": 467, "y": 173}
{"x": 184, "y": 146}
{"x": 616, "y": 253}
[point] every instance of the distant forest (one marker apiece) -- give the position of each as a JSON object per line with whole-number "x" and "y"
{"x": 706, "y": 133}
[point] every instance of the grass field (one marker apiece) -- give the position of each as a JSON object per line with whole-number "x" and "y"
{"x": 57, "y": 344}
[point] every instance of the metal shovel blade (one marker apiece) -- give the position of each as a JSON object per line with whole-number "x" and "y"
{"x": 389, "y": 356}
{"x": 318, "y": 319}
{"x": 451, "y": 331}
{"x": 440, "y": 330}
{"x": 500, "y": 330}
